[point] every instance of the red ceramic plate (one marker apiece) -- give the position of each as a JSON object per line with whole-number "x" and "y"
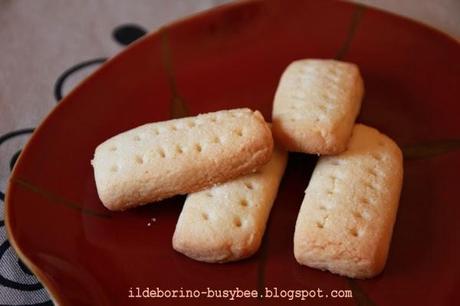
{"x": 232, "y": 57}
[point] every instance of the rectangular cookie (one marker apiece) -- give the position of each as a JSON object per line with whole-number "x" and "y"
{"x": 163, "y": 159}
{"x": 316, "y": 104}
{"x": 346, "y": 219}
{"x": 227, "y": 222}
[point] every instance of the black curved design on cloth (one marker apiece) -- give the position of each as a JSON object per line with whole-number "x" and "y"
{"x": 12, "y": 284}
{"x": 124, "y": 35}
{"x": 5, "y": 245}
{"x": 13, "y": 159}
{"x": 24, "y": 267}
{"x": 4, "y": 138}
{"x": 61, "y": 79}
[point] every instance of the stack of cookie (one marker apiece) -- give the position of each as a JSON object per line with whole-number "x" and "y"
{"x": 346, "y": 219}
{"x": 230, "y": 167}
{"x": 225, "y": 161}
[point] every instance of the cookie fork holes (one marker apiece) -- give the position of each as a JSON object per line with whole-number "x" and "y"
{"x": 162, "y": 153}
{"x": 237, "y": 222}
{"x": 139, "y": 159}
{"x": 113, "y": 148}
{"x": 377, "y": 156}
{"x": 198, "y": 148}
{"x": 323, "y": 107}
{"x": 215, "y": 140}
{"x": 320, "y": 225}
{"x": 355, "y": 232}
{"x": 333, "y": 179}
{"x": 318, "y": 119}
{"x": 179, "y": 149}
{"x": 205, "y": 216}
{"x": 137, "y": 138}
{"x": 249, "y": 185}
{"x": 238, "y": 132}
{"x": 357, "y": 215}
{"x": 244, "y": 203}
{"x": 370, "y": 186}
{"x": 372, "y": 172}
{"x": 114, "y": 168}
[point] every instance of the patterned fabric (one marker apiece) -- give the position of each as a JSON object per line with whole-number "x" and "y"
{"x": 47, "y": 47}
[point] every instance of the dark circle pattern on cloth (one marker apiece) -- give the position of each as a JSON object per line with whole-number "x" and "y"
{"x": 16, "y": 280}
{"x": 14, "y": 275}
{"x": 128, "y": 33}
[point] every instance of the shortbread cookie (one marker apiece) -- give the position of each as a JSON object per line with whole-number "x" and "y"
{"x": 160, "y": 160}
{"x": 346, "y": 219}
{"x": 227, "y": 222}
{"x": 316, "y": 104}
